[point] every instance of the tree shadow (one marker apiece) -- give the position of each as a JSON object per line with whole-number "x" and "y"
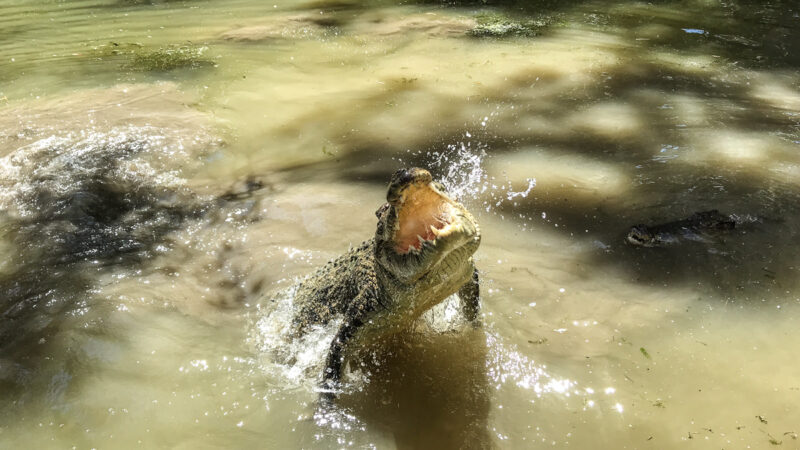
{"x": 669, "y": 167}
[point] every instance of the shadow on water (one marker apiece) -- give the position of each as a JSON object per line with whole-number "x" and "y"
{"x": 766, "y": 32}
{"x": 85, "y": 213}
{"x": 663, "y": 189}
{"x": 749, "y": 262}
{"x": 427, "y": 390}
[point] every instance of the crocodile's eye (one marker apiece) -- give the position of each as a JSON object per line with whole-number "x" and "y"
{"x": 381, "y": 210}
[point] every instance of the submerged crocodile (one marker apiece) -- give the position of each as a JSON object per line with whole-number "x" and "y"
{"x": 695, "y": 228}
{"x": 420, "y": 255}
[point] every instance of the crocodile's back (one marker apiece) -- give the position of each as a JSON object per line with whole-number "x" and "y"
{"x": 711, "y": 221}
{"x": 695, "y": 228}
{"x": 334, "y": 289}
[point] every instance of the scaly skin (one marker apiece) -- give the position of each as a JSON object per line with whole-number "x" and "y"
{"x": 383, "y": 285}
{"x": 698, "y": 224}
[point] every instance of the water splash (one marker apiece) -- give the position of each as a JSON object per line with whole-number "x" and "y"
{"x": 297, "y": 360}
{"x": 511, "y": 195}
{"x": 97, "y": 195}
{"x": 460, "y": 167}
{"x": 444, "y": 317}
{"x": 130, "y": 156}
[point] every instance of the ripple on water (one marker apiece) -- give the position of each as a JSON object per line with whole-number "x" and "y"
{"x": 80, "y": 206}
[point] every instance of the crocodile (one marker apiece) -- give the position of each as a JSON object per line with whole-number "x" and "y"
{"x": 693, "y": 228}
{"x": 421, "y": 254}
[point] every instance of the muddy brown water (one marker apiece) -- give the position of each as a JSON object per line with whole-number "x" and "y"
{"x": 168, "y": 170}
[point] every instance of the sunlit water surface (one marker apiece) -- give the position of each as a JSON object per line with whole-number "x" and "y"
{"x": 169, "y": 169}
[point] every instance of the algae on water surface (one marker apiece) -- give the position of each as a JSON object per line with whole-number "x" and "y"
{"x": 501, "y": 25}
{"x": 140, "y": 58}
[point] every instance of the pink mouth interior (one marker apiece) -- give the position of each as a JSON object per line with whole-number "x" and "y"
{"x": 421, "y": 207}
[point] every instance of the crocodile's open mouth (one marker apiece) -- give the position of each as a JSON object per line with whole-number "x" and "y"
{"x": 424, "y": 214}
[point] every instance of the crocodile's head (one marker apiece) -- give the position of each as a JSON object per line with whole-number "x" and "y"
{"x": 641, "y": 236}
{"x": 422, "y": 232}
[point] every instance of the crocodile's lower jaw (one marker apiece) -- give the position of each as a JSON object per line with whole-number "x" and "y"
{"x": 448, "y": 229}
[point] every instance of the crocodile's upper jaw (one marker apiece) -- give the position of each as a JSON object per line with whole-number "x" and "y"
{"x": 424, "y": 215}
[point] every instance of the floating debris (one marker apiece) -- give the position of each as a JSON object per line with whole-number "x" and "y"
{"x": 693, "y": 31}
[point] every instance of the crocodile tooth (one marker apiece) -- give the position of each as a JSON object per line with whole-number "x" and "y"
{"x": 435, "y": 230}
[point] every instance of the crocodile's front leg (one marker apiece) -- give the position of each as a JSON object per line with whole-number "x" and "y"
{"x": 333, "y": 365}
{"x": 470, "y": 298}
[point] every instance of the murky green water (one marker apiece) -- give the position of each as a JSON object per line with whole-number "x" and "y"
{"x": 167, "y": 168}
